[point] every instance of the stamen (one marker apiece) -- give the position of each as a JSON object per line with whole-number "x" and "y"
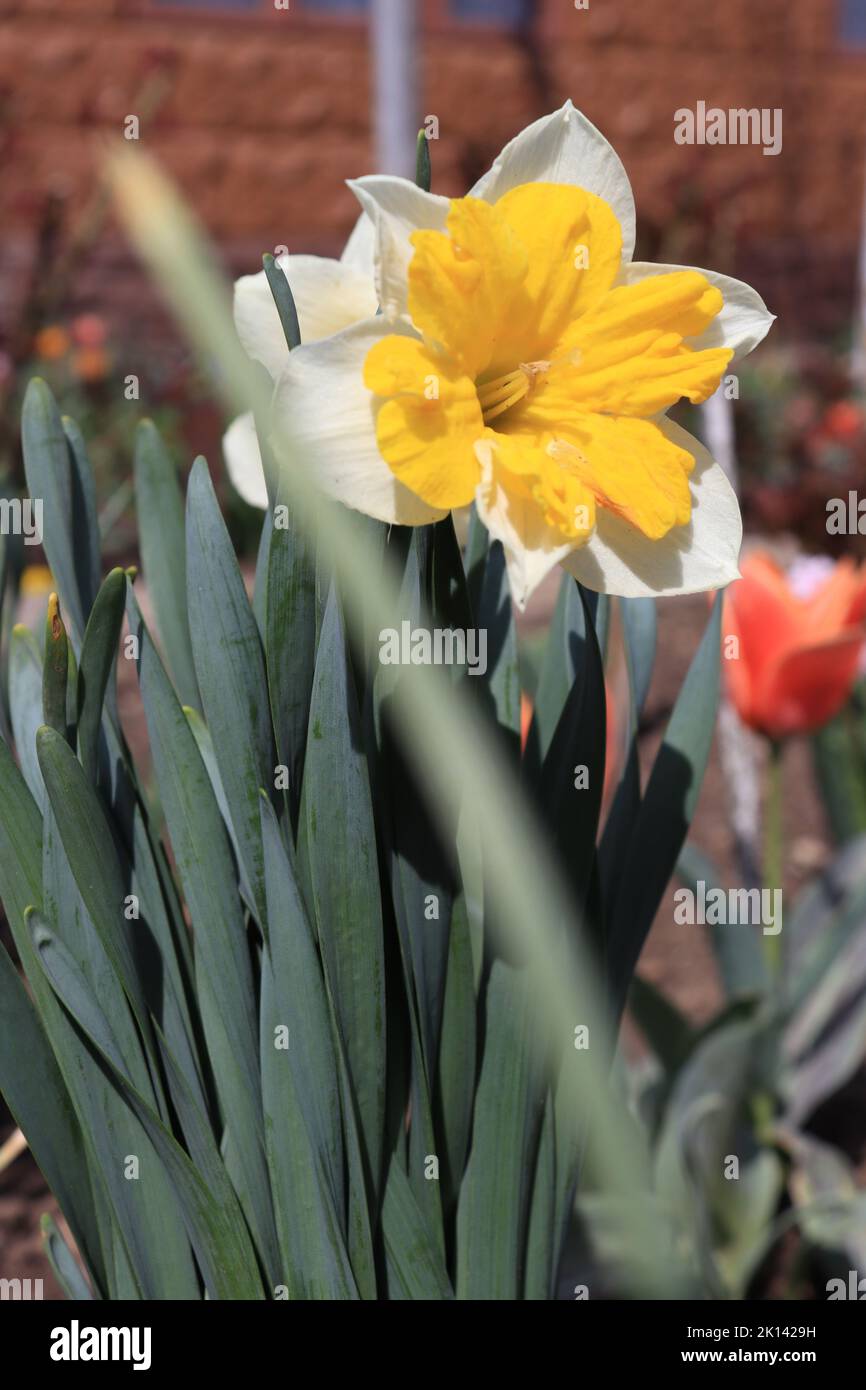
{"x": 499, "y": 395}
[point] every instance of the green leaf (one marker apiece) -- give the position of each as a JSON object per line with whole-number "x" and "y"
{"x": 84, "y": 517}
{"x": 32, "y": 1087}
{"x": 67, "y": 1270}
{"x": 66, "y": 913}
{"x": 639, "y": 635}
{"x": 146, "y": 1211}
{"x": 475, "y": 557}
{"x": 284, "y": 300}
{"x": 558, "y": 671}
{"x": 639, "y": 621}
{"x": 204, "y": 743}
{"x": 52, "y": 476}
{"x": 301, "y": 1004}
{"x": 454, "y": 1091}
{"x": 499, "y": 688}
{"x": 569, "y": 806}
{"x": 231, "y": 672}
{"x": 87, "y": 842}
{"x": 290, "y": 646}
{"x": 339, "y": 841}
{"x": 414, "y": 1266}
{"x": 223, "y": 974}
{"x": 736, "y": 945}
{"x": 25, "y": 705}
{"x": 206, "y": 1202}
{"x": 314, "y": 1260}
{"x": 840, "y": 770}
{"x": 423, "y": 170}
{"x": 667, "y": 808}
{"x": 541, "y": 1236}
{"x": 493, "y": 1210}
{"x": 55, "y": 669}
{"x": 421, "y": 864}
{"x": 162, "y": 541}
{"x": 667, "y": 1031}
{"x": 98, "y": 655}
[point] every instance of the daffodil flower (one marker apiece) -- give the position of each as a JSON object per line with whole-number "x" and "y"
{"x": 329, "y": 295}
{"x": 523, "y": 360}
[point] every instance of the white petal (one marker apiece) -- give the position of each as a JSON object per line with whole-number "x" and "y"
{"x": 359, "y": 249}
{"x": 244, "y": 460}
{"x": 619, "y": 559}
{"x": 564, "y": 148}
{"x": 397, "y": 208}
{"x": 328, "y": 296}
{"x": 324, "y": 420}
{"x": 744, "y": 320}
{"x": 532, "y": 548}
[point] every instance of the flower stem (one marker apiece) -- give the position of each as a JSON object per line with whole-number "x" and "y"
{"x": 774, "y": 851}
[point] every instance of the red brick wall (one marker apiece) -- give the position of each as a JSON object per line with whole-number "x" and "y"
{"x": 262, "y": 118}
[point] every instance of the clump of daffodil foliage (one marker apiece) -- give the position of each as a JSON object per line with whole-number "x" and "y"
{"x": 265, "y": 1028}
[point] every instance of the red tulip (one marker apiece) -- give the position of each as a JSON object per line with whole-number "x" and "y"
{"x": 791, "y": 661}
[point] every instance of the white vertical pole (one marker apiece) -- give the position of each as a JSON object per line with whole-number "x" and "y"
{"x": 394, "y": 86}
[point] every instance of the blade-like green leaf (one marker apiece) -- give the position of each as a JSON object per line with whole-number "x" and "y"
{"x": 33, "y": 1088}
{"x": 736, "y": 945}
{"x": 493, "y": 1209}
{"x": 558, "y": 670}
{"x": 340, "y": 846}
{"x": 667, "y": 808}
{"x": 667, "y": 1031}
{"x": 302, "y": 1006}
{"x": 67, "y": 1270}
{"x": 541, "y": 1234}
{"x": 284, "y": 300}
{"x": 162, "y": 540}
{"x": 639, "y": 635}
{"x": 25, "y": 705}
{"x": 98, "y": 655}
{"x": 55, "y": 669}
{"x": 290, "y": 645}
{"x": 88, "y": 845}
{"x": 455, "y": 1076}
{"x": 499, "y": 688}
{"x": 315, "y": 1262}
{"x": 206, "y": 1203}
{"x": 223, "y": 973}
{"x": 84, "y": 518}
{"x": 572, "y": 775}
{"x": 414, "y": 1266}
{"x": 231, "y": 673}
{"x": 53, "y": 478}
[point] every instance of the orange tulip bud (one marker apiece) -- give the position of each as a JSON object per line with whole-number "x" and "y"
{"x": 51, "y": 343}
{"x": 791, "y": 661}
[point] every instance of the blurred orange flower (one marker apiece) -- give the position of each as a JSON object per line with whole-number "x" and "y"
{"x": 90, "y": 364}
{"x": 89, "y": 330}
{"x": 843, "y": 420}
{"x": 790, "y": 660}
{"x": 51, "y": 343}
